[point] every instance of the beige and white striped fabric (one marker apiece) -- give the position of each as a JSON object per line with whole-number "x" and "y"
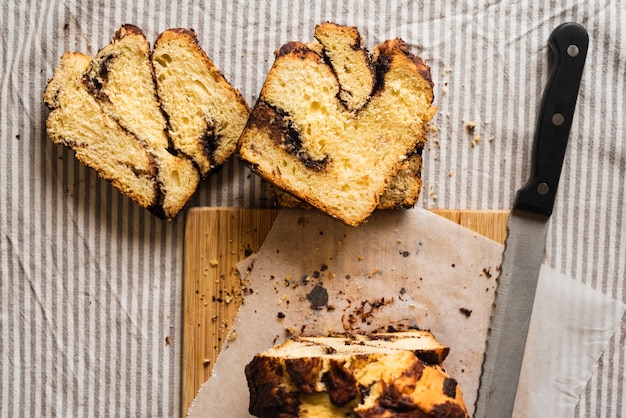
{"x": 91, "y": 285}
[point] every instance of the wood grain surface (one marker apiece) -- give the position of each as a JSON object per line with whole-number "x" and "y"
{"x": 218, "y": 238}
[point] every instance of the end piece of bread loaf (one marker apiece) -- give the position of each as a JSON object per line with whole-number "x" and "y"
{"x": 308, "y": 136}
{"x": 382, "y": 375}
{"x": 206, "y": 114}
{"x": 134, "y": 130}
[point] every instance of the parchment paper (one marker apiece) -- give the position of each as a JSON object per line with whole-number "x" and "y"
{"x": 315, "y": 275}
{"x": 570, "y": 328}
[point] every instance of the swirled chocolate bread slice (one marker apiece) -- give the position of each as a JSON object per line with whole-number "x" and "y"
{"x": 387, "y": 375}
{"x": 76, "y": 120}
{"x": 206, "y": 114}
{"x": 153, "y": 137}
{"x": 333, "y": 124}
{"x": 120, "y": 77}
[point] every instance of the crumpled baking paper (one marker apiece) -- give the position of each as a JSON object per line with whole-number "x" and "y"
{"x": 570, "y": 328}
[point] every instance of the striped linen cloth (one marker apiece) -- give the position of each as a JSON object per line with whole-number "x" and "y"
{"x": 91, "y": 285}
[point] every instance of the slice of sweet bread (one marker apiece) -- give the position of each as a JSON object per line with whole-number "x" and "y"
{"x": 206, "y": 114}
{"x": 76, "y": 120}
{"x": 120, "y": 77}
{"x": 308, "y": 136}
{"x": 153, "y": 139}
{"x": 354, "y": 376}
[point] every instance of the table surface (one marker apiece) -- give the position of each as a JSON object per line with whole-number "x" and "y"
{"x": 91, "y": 285}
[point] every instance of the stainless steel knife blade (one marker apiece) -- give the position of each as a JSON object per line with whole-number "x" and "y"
{"x": 528, "y": 226}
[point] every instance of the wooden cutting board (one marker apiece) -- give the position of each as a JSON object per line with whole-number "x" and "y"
{"x": 218, "y": 238}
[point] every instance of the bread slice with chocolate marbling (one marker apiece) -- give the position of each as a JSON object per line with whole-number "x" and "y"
{"x": 120, "y": 77}
{"x": 382, "y": 375}
{"x": 334, "y": 123}
{"x": 77, "y": 121}
{"x": 153, "y": 122}
{"x": 205, "y": 113}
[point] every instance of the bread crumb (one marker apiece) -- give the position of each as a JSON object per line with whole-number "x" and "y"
{"x": 476, "y": 140}
{"x": 465, "y": 311}
{"x": 213, "y": 262}
{"x": 282, "y": 299}
{"x": 487, "y": 272}
{"x": 168, "y": 340}
{"x": 361, "y": 258}
{"x": 206, "y": 362}
{"x": 470, "y": 126}
{"x": 232, "y": 336}
{"x": 450, "y": 173}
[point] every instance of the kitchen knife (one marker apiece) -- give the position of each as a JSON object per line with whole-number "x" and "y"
{"x": 528, "y": 226}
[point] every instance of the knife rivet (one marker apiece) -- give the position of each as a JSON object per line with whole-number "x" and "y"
{"x": 543, "y": 189}
{"x": 558, "y": 119}
{"x": 572, "y": 51}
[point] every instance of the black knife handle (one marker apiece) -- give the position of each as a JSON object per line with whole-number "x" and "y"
{"x": 569, "y": 42}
